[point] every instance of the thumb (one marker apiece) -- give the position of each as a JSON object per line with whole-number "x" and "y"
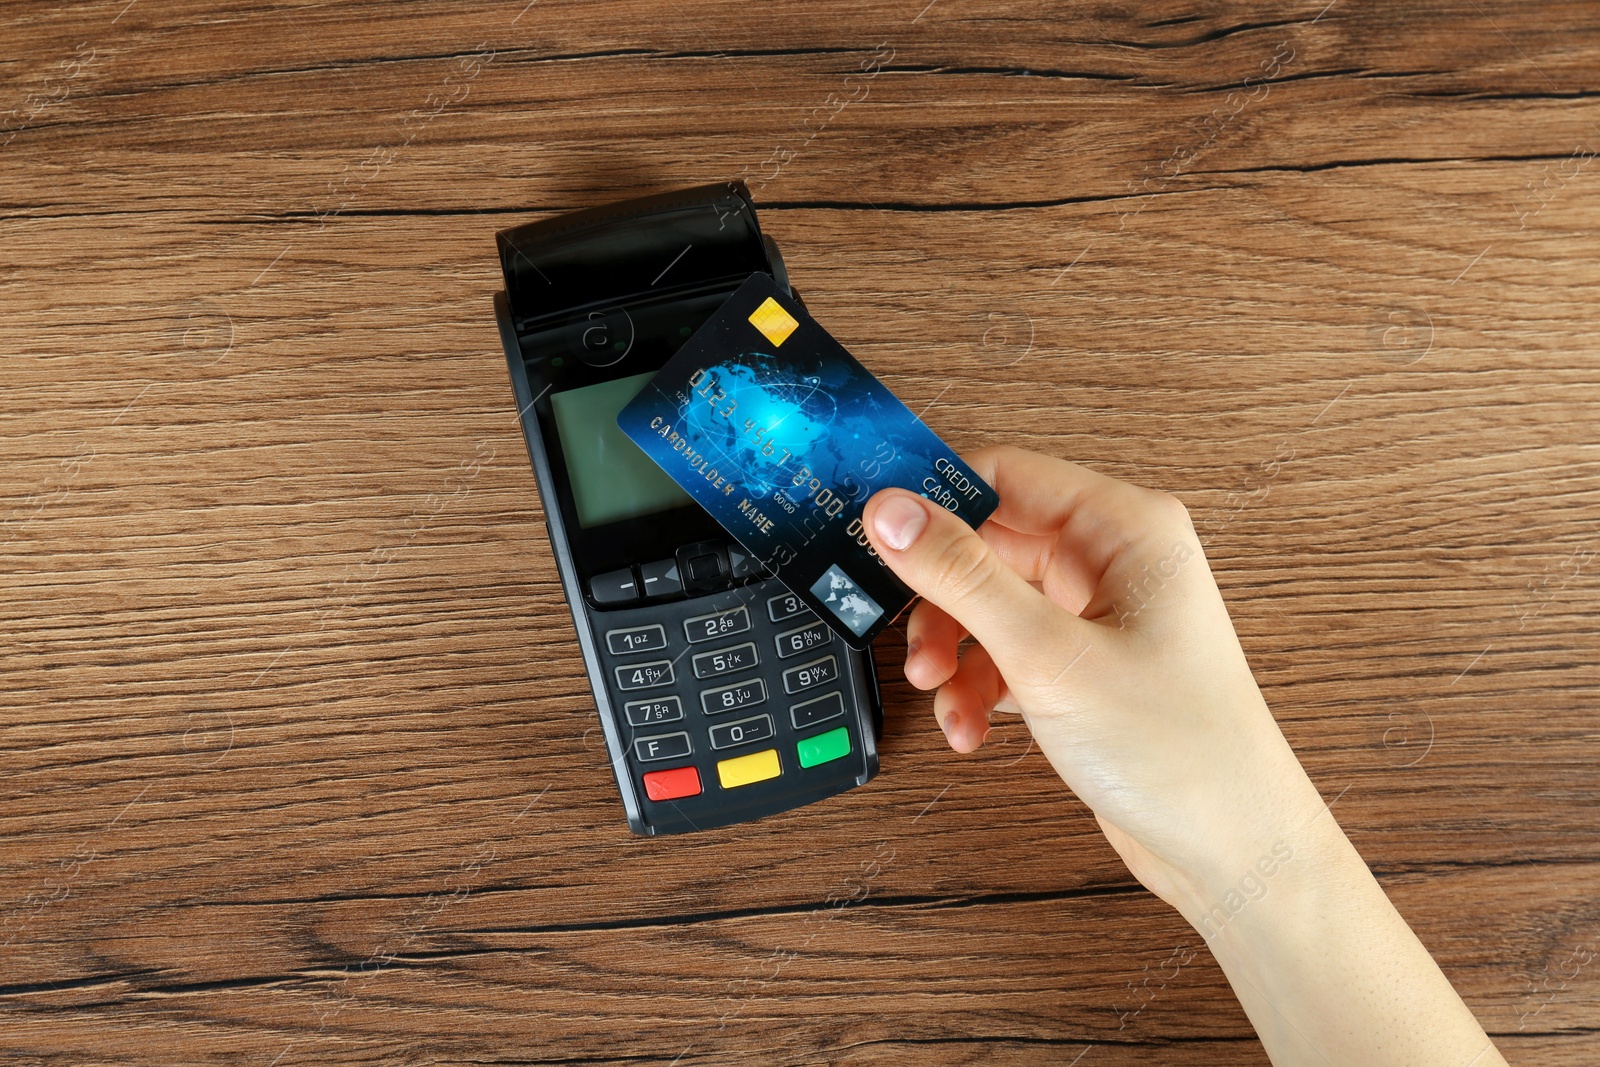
{"x": 944, "y": 559}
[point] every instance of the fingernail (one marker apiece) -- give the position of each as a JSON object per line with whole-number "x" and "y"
{"x": 912, "y": 651}
{"x": 898, "y": 521}
{"x": 946, "y": 724}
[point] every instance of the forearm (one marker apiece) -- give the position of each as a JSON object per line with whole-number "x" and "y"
{"x": 1328, "y": 971}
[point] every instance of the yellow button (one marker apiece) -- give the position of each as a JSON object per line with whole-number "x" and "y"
{"x": 774, "y": 323}
{"x": 742, "y": 770}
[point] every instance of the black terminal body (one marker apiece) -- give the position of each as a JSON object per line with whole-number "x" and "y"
{"x": 722, "y": 697}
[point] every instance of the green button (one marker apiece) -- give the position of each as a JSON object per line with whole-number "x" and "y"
{"x": 824, "y": 747}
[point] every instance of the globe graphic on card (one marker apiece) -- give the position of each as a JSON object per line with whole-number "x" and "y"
{"x": 772, "y": 424}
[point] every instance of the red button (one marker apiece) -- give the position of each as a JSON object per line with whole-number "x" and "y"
{"x": 670, "y": 785}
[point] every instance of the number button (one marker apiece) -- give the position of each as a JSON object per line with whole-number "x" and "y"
{"x": 718, "y": 624}
{"x": 662, "y": 746}
{"x": 637, "y": 639}
{"x": 725, "y": 660}
{"x": 644, "y": 675}
{"x": 804, "y": 639}
{"x": 728, "y": 734}
{"x": 817, "y": 672}
{"x": 733, "y": 697}
{"x": 650, "y": 712}
{"x": 811, "y": 712}
{"x": 785, "y": 606}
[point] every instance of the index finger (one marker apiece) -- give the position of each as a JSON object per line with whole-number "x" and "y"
{"x": 1096, "y": 517}
{"x": 1039, "y": 494}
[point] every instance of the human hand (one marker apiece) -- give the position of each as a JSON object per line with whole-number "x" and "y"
{"x": 1097, "y": 619}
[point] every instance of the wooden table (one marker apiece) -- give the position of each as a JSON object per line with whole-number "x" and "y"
{"x": 299, "y": 761}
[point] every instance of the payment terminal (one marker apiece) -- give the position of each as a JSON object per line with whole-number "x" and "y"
{"x": 722, "y": 698}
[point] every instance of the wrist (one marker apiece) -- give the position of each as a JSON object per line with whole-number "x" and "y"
{"x": 1280, "y": 887}
{"x": 1318, "y": 946}
{"x": 1264, "y": 834}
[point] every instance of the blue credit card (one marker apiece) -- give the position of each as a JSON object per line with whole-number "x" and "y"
{"x": 777, "y": 431}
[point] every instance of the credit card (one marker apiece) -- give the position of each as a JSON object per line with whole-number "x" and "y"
{"x": 777, "y": 431}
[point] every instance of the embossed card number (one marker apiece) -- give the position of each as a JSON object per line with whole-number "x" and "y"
{"x": 782, "y": 436}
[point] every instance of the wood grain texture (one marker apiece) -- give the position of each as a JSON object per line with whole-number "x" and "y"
{"x": 299, "y": 763}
